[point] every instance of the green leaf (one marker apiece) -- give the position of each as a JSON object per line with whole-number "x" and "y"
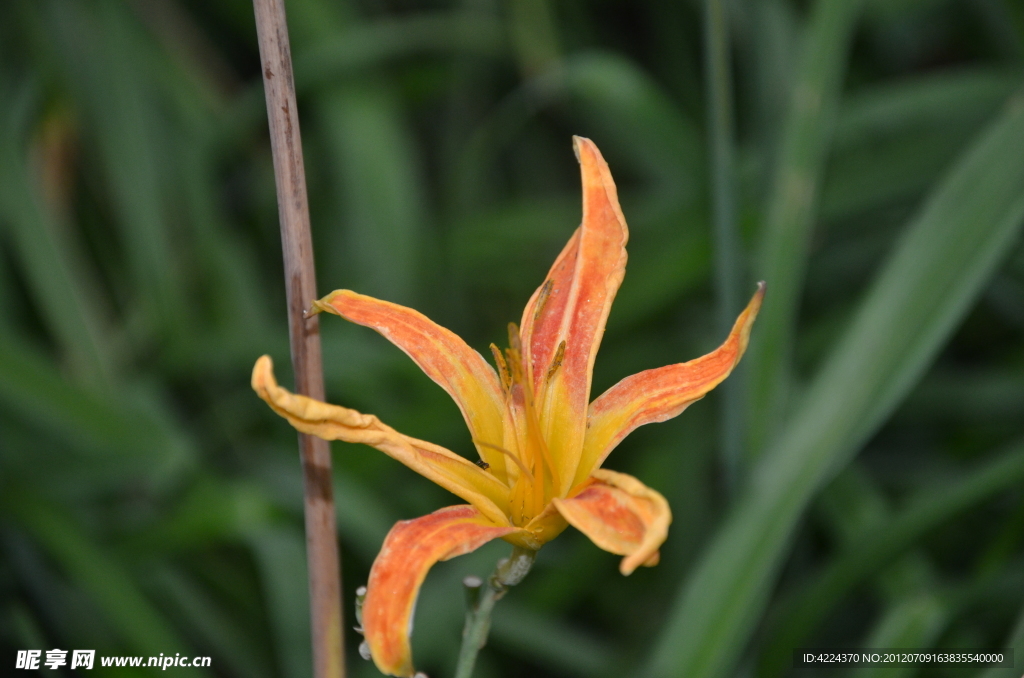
{"x": 627, "y": 112}
{"x": 893, "y": 140}
{"x": 875, "y": 549}
{"x": 112, "y": 588}
{"x": 210, "y": 511}
{"x": 1015, "y": 641}
{"x": 368, "y": 45}
{"x": 914, "y": 623}
{"x": 363, "y": 519}
{"x": 379, "y": 193}
{"x": 792, "y": 208}
{"x": 108, "y": 63}
{"x": 281, "y": 559}
{"x": 920, "y": 295}
{"x": 213, "y": 626}
{"x": 553, "y": 644}
{"x": 62, "y": 287}
{"x": 636, "y": 120}
{"x": 101, "y": 428}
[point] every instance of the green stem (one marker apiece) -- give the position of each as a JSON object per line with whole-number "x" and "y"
{"x": 509, "y": 572}
{"x": 723, "y": 193}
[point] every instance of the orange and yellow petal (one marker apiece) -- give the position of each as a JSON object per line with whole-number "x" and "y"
{"x": 442, "y": 355}
{"x": 660, "y": 394}
{"x": 410, "y": 550}
{"x": 572, "y": 306}
{"x": 620, "y": 515}
{"x": 331, "y": 422}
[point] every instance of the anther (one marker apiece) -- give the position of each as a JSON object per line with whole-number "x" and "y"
{"x": 513, "y": 337}
{"x": 556, "y": 362}
{"x": 499, "y": 360}
{"x": 542, "y": 299}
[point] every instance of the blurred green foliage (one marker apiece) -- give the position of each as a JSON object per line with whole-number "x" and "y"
{"x": 149, "y": 503}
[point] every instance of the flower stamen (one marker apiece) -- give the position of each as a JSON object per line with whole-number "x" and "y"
{"x": 499, "y": 360}
{"x": 539, "y": 456}
{"x": 542, "y": 299}
{"x": 556, "y": 362}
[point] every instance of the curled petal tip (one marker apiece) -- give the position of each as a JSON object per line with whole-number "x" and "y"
{"x": 660, "y": 394}
{"x": 759, "y": 294}
{"x": 576, "y": 141}
{"x": 325, "y": 305}
{"x": 581, "y": 145}
{"x": 264, "y": 366}
{"x": 620, "y": 515}
{"x": 630, "y": 563}
{"x": 745, "y": 321}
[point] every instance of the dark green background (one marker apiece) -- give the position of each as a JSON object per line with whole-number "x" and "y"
{"x": 150, "y": 503}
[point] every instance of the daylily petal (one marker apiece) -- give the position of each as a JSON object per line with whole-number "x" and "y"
{"x": 621, "y": 515}
{"x": 660, "y": 394}
{"x": 572, "y": 306}
{"x": 331, "y": 422}
{"x": 410, "y": 550}
{"x": 442, "y": 355}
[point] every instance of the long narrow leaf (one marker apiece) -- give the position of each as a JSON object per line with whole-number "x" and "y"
{"x": 557, "y": 645}
{"x": 102, "y": 427}
{"x": 1015, "y": 641}
{"x": 52, "y": 263}
{"x": 914, "y": 623}
{"x": 140, "y": 624}
{"x": 922, "y": 292}
{"x": 368, "y": 45}
{"x": 281, "y": 558}
{"x": 791, "y": 209}
{"x": 380, "y": 191}
{"x": 894, "y": 140}
{"x": 875, "y": 550}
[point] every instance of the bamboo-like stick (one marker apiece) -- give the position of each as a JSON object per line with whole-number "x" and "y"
{"x": 300, "y": 283}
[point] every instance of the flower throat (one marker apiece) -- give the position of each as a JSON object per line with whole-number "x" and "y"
{"x": 537, "y": 480}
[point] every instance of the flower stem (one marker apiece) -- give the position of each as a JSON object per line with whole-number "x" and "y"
{"x": 482, "y": 597}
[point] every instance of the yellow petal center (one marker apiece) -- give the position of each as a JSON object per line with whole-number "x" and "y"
{"x": 535, "y": 479}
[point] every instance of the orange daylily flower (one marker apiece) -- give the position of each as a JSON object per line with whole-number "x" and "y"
{"x": 542, "y": 440}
